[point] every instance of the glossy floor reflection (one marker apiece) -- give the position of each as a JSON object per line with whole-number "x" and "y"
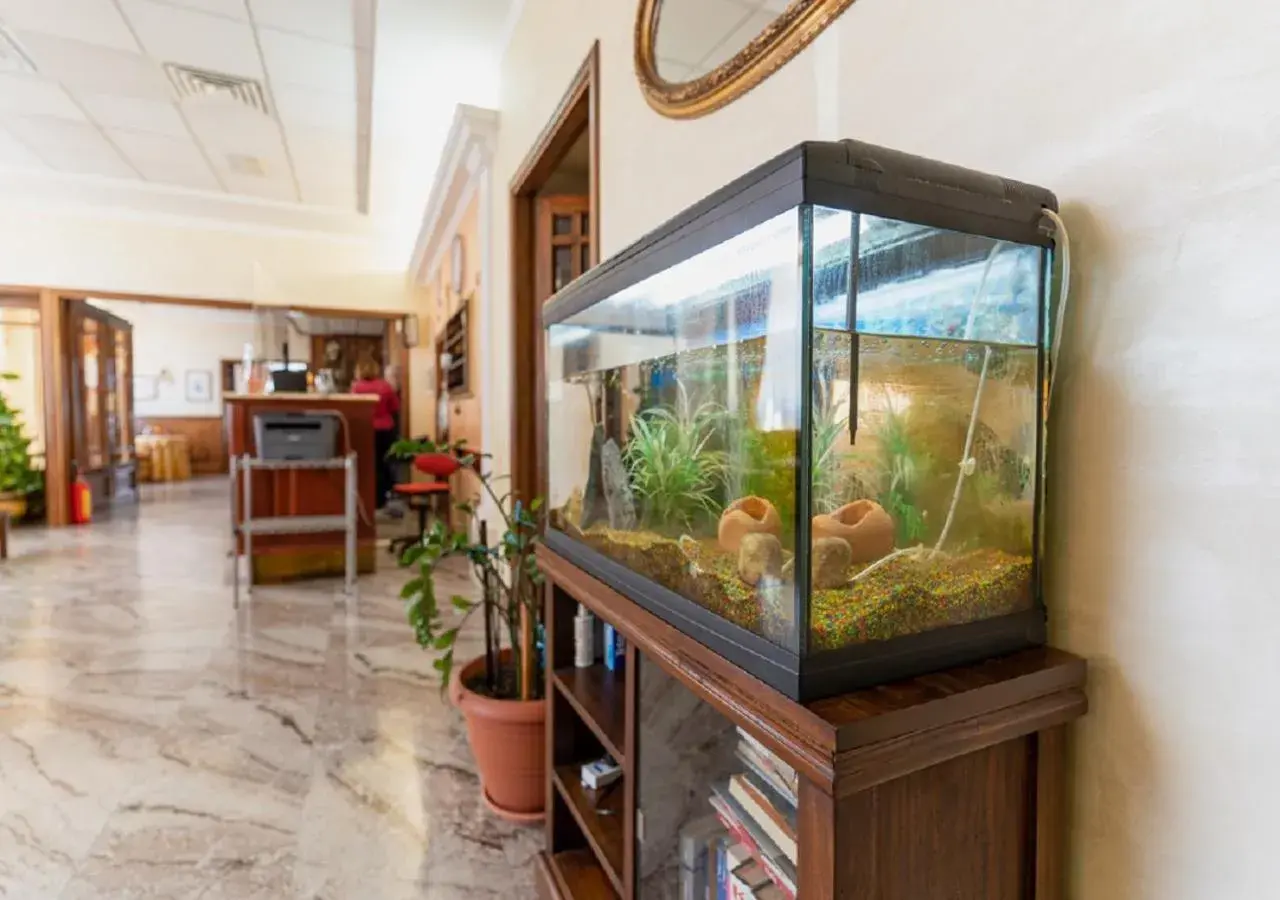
{"x": 156, "y": 744}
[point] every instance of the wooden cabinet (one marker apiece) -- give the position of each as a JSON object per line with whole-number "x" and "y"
{"x": 946, "y": 786}
{"x": 100, "y": 379}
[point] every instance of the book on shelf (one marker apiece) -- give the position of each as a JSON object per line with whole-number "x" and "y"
{"x": 698, "y": 842}
{"x": 761, "y": 804}
{"x": 747, "y": 880}
{"x": 761, "y": 758}
{"x": 762, "y": 848}
{"x": 729, "y": 855}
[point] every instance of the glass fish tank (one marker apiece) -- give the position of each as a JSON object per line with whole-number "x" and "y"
{"x": 804, "y": 421}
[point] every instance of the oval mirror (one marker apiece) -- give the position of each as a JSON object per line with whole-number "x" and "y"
{"x": 694, "y": 56}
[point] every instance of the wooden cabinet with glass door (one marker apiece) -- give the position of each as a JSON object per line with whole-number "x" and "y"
{"x": 101, "y": 393}
{"x": 951, "y": 784}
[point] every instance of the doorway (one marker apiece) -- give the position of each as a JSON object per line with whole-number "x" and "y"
{"x": 555, "y": 228}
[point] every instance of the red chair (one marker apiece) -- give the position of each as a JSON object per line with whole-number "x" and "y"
{"x": 423, "y": 496}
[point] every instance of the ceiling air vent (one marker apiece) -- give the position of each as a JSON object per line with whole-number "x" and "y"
{"x": 12, "y": 57}
{"x": 189, "y": 81}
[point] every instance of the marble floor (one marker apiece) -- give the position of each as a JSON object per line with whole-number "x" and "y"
{"x": 154, "y": 743}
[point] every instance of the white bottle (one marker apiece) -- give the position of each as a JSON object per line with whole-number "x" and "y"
{"x": 584, "y": 638}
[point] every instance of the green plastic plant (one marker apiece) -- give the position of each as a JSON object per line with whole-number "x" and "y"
{"x": 511, "y": 593}
{"x": 901, "y": 469}
{"x": 17, "y": 475}
{"x": 829, "y": 485}
{"x": 673, "y": 469}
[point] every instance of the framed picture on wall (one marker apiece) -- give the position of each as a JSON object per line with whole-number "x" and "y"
{"x": 199, "y": 385}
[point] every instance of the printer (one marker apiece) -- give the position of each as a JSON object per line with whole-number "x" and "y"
{"x": 291, "y": 436}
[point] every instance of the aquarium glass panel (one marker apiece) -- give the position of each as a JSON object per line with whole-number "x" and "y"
{"x": 923, "y": 514}
{"x": 673, "y": 418}
{"x": 924, "y": 281}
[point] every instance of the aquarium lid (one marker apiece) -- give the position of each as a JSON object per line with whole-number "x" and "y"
{"x": 847, "y": 174}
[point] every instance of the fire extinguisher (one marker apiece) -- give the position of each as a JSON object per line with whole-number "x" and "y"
{"x": 81, "y": 499}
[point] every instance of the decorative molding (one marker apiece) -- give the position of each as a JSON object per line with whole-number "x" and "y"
{"x": 474, "y": 131}
{"x": 781, "y": 39}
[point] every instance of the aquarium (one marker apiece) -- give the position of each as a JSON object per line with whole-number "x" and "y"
{"x": 804, "y": 420}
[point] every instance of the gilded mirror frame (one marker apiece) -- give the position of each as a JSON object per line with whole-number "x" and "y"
{"x": 781, "y": 39}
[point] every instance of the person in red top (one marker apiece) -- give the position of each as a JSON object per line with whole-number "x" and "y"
{"x": 369, "y": 380}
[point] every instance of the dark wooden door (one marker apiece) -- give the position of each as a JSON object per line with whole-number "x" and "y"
{"x": 562, "y": 239}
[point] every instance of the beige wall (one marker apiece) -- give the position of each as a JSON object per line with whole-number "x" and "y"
{"x": 1155, "y": 123}
{"x": 97, "y": 252}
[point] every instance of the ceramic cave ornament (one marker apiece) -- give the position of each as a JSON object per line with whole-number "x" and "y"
{"x": 749, "y": 515}
{"x": 863, "y": 525}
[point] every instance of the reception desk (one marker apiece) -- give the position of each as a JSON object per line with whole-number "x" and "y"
{"x": 318, "y": 492}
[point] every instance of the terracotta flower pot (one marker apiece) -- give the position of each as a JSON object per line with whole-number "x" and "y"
{"x": 508, "y": 738}
{"x": 863, "y": 525}
{"x": 749, "y": 515}
{"x": 15, "y": 505}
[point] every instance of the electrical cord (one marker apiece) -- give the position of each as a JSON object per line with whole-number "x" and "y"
{"x": 1055, "y": 344}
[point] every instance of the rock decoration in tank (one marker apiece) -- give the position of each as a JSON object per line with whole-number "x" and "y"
{"x": 747, "y": 515}
{"x": 863, "y": 525}
{"x": 594, "y": 506}
{"x": 619, "y": 502}
{"x": 829, "y": 561}
{"x": 760, "y": 558}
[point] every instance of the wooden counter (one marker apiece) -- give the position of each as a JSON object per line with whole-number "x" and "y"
{"x": 278, "y": 558}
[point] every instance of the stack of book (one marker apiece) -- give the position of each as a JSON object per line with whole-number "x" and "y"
{"x": 755, "y": 853}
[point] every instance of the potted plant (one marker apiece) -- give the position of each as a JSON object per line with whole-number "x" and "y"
{"x": 18, "y": 478}
{"x": 500, "y": 692}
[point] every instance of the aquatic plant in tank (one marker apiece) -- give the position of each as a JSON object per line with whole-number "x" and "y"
{"x": 674, "y": 471}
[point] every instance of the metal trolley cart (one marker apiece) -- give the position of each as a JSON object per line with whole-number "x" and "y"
{"x": 247, "y": 527}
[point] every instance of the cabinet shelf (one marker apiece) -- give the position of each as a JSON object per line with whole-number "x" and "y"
{"x": 601, "y": 825}
{"x": 580, "y": 877}
{"x": 598, "y": 696}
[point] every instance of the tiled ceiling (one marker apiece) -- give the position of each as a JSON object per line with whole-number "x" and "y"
{"x": 84, "y": 91}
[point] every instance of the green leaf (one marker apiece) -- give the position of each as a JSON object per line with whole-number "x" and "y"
{"x": 445, "y": 641}
{"x": 412, "y": 587}
{"x": 462, "y": 603}
{"x": 412, "y": 554}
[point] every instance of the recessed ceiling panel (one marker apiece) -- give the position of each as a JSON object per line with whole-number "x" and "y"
{"x": 25, "y": 95}
{"x": 173, "y": 34}
{"x": 302, "y": 62}
{"x": 326, "y": 20}
{"x": 315, "y": 109}
{"x": 165, "y": 159}
{"x": 316, "y": 150}
{"x": 150, "y": 116}
{"x": 15, "y": 155}
{"x": 90, "y": 21}
{"x": 230, "y": 9}
{"x": 70, "y": 146}
{"x": 81, "y": 66}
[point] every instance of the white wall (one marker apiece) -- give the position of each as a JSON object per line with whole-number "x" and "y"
{"x": 1155, "y": 123}
{"x": 180, "y": 339}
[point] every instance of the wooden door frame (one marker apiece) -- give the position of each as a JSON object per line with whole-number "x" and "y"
{"x": 577, "y": 111}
